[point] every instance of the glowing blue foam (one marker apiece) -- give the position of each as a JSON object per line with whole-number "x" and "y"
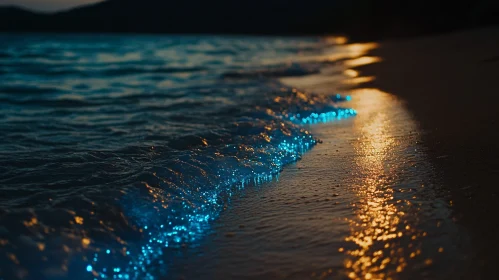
{"x": 177, "y": 202}
{"x": 312, "y": 118}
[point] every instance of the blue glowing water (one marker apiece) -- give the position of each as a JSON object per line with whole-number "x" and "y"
{"x": 117, "y": 149}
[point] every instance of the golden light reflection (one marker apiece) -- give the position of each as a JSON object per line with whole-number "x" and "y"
{"x": 364, "y": 60}
{"x": 79, "y": 220}
{"x": 337, "y": 40}
{"x": 351, "y": 73}
{"x": 350, "y": 51}
{"x": 380, "y": 227}
{"x": 359, "y": 80}
{"x": 351, "y": 55}
{"x": 353, "y": 76}
{"x": 362, "y": 48}
{"x": 41, "y": 246}
{"x": 85, "y": 242}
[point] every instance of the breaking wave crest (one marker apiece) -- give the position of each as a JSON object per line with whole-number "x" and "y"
{"x": 103, "y": 174}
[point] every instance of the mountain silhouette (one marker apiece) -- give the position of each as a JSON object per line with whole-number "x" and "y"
{"x": 362, "y": 18}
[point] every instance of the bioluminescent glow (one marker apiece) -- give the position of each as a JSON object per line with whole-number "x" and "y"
{"x": 324, "y": 117}
{"x": 175, "y": 205}
{"x": 132, "y": 145}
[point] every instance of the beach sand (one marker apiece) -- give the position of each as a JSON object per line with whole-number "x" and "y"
{"x": 402, "y": 191}
{"x": 450, "y": 84}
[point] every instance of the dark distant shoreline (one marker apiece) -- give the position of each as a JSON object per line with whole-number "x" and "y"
{"x": 361, "y": 20}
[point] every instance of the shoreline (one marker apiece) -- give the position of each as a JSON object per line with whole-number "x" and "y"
{"x": 332, "y": 212}
{"x": 363, "y": 204}
{"x": 404, "y": 190}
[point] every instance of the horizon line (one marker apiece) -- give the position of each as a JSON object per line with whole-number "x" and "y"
{"x": 46, "y": 10}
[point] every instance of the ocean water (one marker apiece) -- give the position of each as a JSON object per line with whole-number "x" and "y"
{"x": 116, "y": 150}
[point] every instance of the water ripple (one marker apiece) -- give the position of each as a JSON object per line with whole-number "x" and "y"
{"x": 117, "y": 150}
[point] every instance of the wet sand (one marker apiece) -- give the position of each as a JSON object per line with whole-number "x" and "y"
{"x": 370, "y": 202}
{"x": 450, "y": 85}
{"x": 362, "y": 205}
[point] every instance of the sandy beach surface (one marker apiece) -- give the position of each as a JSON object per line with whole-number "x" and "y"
{"x": 450, "y": 85}
{"x": 405, "y": 190}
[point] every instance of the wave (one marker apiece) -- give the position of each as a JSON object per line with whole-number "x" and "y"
{"x": 22, "y": 90}
{"x": 122, "y": 71}
{"x": 168, "y": 194}
{"x": 104, "y": 171}
{"x": 179, "y": 196}
{"x": 293, "y": 70}
{"x": 50, "y": 103}
{"x": 38, "y": 69}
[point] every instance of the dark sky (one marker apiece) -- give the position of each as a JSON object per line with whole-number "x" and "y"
{"x": 47, "y": 5}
